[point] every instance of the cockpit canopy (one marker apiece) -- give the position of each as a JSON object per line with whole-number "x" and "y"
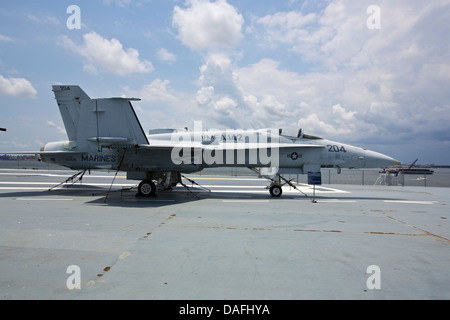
{"x": 296, "y": 133}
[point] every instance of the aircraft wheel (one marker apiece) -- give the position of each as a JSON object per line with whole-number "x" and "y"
{"x": 275, "y": 191}
{"x": 146, "y": 188}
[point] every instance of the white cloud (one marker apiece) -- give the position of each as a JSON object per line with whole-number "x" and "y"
{"x": 5, "y": 38}
{"x": 375, "y": 82}
{"x": 285, "y": 27}
{"x": 315, "y": 125}
{"x": 57, "y": 127}
{"x": 204, "y": 95}
{"x": 220, "y": 96}
{"x": 208, "y": 25}
{"x": 120, "y": 3}
{"x": 165, "y": 55}
{"x": 107, "y": 55}
{"x": 17, "y": 87}
{"x": 342, "y": 113}
{"x": 158, "y": 90}
{"x": 225, "y": 106}
{"x": 43, "y": 19}
{"x": 163, "y": 107}
{"x": 260, "y": 95}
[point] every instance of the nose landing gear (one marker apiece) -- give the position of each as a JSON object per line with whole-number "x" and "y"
{"x": 275, "y": 190}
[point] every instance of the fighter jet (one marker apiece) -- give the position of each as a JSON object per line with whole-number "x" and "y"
{"x": 106, "y": 134}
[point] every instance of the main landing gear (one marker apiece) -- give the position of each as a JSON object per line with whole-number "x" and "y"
{"x": 160, "y": 181}
{"x": 146, "y": 188}
{"x": 164, "y": 180}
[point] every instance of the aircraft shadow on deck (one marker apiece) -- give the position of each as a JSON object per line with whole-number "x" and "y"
{"x": 128, "y": 197}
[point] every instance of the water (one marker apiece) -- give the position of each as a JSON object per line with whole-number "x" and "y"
{"x": 440, "y": 178}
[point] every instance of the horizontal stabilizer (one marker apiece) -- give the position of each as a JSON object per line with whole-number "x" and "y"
{"x": 44, "y": 152}
{"x": 126, "y": 99}
{"x": 109, "y": 139}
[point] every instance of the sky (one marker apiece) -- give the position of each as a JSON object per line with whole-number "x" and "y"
{"x": 374, "y": 73}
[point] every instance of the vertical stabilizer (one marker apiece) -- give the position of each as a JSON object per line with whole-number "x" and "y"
{"x": 97, "y": 123}
{"x": 69, "y": 99}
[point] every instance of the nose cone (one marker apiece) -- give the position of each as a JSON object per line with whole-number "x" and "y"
{"x": 378, "y": 160}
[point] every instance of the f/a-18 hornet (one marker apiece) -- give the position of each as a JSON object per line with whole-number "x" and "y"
{"x": 106, "y": 134}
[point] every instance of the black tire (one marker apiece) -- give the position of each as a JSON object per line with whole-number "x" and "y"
{"x": 276, "y": 191}
{"x": 146, "y": 188}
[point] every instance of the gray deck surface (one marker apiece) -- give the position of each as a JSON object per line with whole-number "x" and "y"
{"x": 235, "y": 242}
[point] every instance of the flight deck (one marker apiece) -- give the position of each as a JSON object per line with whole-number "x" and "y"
{"x": 225, "y": 238}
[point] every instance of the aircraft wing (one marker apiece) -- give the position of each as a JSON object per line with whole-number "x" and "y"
{"x": 227, "y": 146}
{"x": 300, "y": 145}
{"x": 168, "y": 156}
{"x": 164, "y": 153}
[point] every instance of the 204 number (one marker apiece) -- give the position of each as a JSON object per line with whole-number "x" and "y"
{"x": 335, "y": 148}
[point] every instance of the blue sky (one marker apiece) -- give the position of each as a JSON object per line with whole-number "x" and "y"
{"x": 237, "y": 64}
